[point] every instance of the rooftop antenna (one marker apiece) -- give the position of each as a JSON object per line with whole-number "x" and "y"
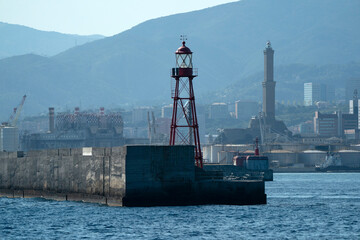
{"x": 268, "y": 44}
{"x": 183, "y": 37}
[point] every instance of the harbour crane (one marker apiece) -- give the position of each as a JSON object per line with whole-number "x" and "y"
{"x": 16, "y": 113}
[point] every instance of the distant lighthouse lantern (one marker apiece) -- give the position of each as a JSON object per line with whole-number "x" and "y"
{"x": 183, "y": 62}
{"x": 183, "y": 57}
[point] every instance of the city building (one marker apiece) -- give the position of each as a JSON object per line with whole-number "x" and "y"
{"x": 139, "y": 115}
{"x": 314, "y": 92}
{"x": 335, "y": 124}
{"x": 326, "y": 125}
{"x": 167, "y": 111}
{"x": 163, "y": 126}
{"x": 354, "y": 106}
{"x": 244, "y": 110}
{"x": 351, "y": 85}
{"x": 339, "y": 124}
{"x": 218, "y": 111}
{"x": 351, "y": 122}
{"x": 9, "y": 139}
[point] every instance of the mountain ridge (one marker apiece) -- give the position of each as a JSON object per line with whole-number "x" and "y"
{"x": 19, "y": 40}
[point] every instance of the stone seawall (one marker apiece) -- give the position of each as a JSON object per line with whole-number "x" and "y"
{"x": 65, "y": 174}
{"x": 121, "y": 176}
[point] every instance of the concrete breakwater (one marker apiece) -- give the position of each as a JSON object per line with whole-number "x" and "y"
{"x": 122, "y": 176}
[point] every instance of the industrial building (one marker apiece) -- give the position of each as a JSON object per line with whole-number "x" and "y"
{"x": 326, "y": 125}
{"x": 9, "y": 139}
{"x": 77, "y": 129}
{"x": 337, "y": 124}
{"x": 244, "y": 110}
{"x": 292, "y": 155}
{"x": 218, "y": 111}
{"x": 139, "y": 115}
{"x": 9, "y": 132}
{"x": 354, "y": 110}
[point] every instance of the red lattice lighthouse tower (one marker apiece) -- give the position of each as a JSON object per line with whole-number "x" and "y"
{"x": 184, "y": 125}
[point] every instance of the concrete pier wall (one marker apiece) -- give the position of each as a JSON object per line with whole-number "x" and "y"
{"x": 160, "y": 175}
{"x": 120, "y": 176}
{"x": 66, "y": 171}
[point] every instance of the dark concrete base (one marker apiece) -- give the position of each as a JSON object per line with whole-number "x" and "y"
{"x": 205, "y": 192}
{"x": 199, "y": 193}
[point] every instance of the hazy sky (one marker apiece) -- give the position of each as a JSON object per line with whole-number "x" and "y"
{"x": 106, "y": 17}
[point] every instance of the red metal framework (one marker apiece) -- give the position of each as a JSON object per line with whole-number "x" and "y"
{"x": 184, "y": 125}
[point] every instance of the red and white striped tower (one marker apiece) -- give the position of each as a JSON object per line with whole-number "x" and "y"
{"x": 184, "y": 125}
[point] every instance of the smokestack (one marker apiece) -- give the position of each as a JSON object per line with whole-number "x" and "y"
{"x": 77, "y": 110}
{"x": 51, "y": 119}
{"x": 102, "y": 110}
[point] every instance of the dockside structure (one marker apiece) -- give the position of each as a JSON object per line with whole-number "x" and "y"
{"x": 76, "y": 130}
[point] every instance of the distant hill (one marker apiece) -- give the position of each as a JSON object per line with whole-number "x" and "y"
{"x": 133, "y": 67}
{"x": 18, "y": 40}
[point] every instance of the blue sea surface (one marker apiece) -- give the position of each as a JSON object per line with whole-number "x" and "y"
{"x": 300, "y": 206}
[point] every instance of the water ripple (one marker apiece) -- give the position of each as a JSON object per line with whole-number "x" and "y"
{"x": 300, "y": 206}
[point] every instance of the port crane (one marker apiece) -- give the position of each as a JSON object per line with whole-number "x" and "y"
{"x": 16, "y": 113}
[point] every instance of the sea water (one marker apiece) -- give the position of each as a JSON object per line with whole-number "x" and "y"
{"x": 300, "y": 206}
